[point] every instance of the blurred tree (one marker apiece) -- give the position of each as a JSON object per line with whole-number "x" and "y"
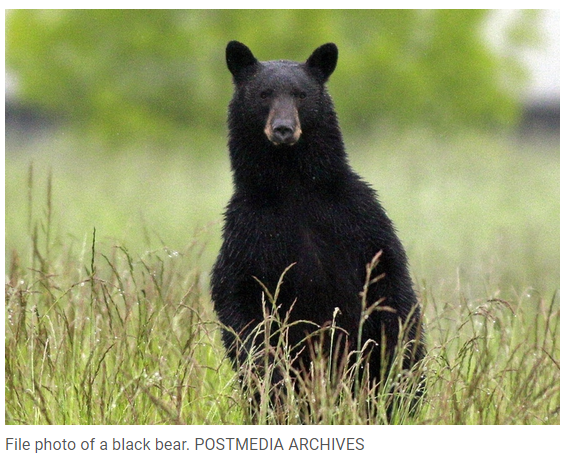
{"x": 128, "y": 75}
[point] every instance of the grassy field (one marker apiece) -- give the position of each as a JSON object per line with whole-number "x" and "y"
{"x": 109, "y": 320}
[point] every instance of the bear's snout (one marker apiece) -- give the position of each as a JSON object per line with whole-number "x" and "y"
{"x": 283, "y": 123}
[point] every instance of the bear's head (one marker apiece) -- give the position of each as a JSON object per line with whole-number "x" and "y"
{"x": 281, "y": 99}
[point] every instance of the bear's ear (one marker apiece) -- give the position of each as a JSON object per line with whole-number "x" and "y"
{"x": 239, "y": 58}
{"x": 323, "y": 61}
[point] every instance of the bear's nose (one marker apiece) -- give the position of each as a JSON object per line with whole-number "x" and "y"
{"x": 283, "y": 134}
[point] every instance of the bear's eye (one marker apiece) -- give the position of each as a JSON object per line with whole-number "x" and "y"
{"x": 302, "y": 95}
{"x": 265, "y": 94}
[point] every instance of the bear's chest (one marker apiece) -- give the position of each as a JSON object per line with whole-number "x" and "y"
{"x": 309, "y": 255}
{"x": 312, "y": 236}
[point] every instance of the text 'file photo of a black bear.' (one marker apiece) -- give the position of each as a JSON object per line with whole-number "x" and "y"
{"x": 307, "y": 247}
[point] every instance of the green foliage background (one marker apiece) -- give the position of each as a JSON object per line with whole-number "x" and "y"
{"x": 159, "y": 75}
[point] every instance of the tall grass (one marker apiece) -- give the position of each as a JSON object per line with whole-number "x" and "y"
{"x": 113, "y": 340}
{"x": 98, "y": 334}
{"x": 494, "y": 362}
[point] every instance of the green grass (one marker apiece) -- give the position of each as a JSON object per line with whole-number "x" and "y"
{"x": 108, "y": 315}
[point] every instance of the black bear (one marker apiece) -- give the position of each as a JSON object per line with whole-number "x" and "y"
{"x": 299, "y": 207}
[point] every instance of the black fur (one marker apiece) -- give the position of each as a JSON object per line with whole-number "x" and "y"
{"x": 297, "y": 201}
